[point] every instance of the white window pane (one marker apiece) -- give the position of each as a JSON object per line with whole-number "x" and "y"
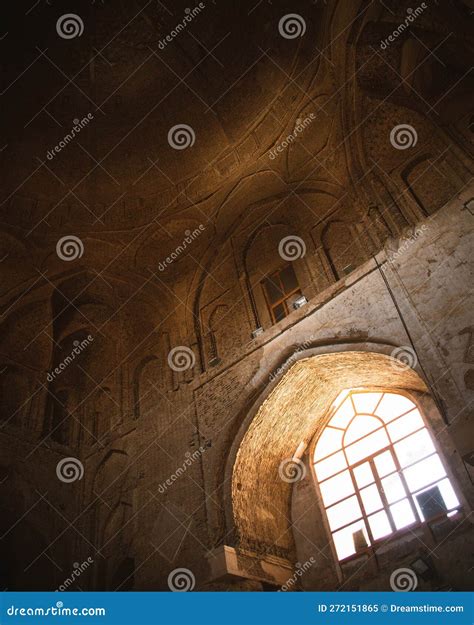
{"x": 363, "y": 475}
{"x": 342, "y": 513}
{"x": 447, "y": 493}
{"x": 336, "y": 488}
{"x": 405, "y": 425}
{"x": 329, "y": 441}
{"x": 344, "y": 539}
{"x": 414, "y": 448}
{"x": 379, "y": 525}
{"x": 330, "y": 466}
{"x": 384, "y": 463}
{"x": 343, "y": 415}
{"x": 361, "y": 426}
{"x": 423, "y": 473}
{"x": 393, "y": 488}
{"x": 368, "y": 446}
{"x": 402, "y": 514}
{"x": 340, "y": 398}
{"x": 371, "y": 499}
{"x": 393, "y": 405}
{"x": 365, "y": 403}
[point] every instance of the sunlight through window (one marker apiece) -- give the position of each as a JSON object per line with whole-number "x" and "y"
{"x": 378, "y": 470}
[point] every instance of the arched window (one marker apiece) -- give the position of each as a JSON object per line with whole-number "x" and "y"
{"x": 378, "y": 470}
{"x": 281, "y": 290}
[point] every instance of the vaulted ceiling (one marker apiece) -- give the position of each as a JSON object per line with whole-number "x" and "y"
{"x": 241, "y": 87}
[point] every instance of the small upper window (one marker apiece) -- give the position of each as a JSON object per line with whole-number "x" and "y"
{"x": 281, "y": 290}
{"x": 378, "y": 470}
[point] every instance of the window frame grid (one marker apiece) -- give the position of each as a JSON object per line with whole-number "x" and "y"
{"x": 282, "y": 301}
{"x": 409, "y": 495}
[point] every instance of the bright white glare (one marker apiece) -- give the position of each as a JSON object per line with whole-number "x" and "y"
{"x": 355, "y": 447}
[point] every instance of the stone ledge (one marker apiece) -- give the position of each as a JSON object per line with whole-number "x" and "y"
{"x": 227, "y": 563}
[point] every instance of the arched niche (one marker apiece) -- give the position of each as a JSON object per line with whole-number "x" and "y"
{"x": 101, "y": 419}
{"x": 151, "y": 406}
{"x": 219, "y": 291}
{"x": 215, "y": 339}
{"x": 262, "y": 257}
{"x": 342, "y": 248}
{"x": 58, "y": 422}
{"x": 429, "y": 183}
{"x": 111, "y": 474}
{"x": 145, "y": 377}
{"x": 112, "y": 494}
{"x": 269, "y": 515}
{"x": 286, "y": 417}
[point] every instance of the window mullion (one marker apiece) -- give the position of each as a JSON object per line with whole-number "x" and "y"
{"x": 361, "y": 504}
{"x": 382, "y": 495}
{"x": 405, "y": 484}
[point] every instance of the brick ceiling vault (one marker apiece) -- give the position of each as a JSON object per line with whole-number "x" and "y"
{"x": 294, "y": 412}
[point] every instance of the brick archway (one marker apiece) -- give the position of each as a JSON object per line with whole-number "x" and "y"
{"x": 287, "y": 420}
